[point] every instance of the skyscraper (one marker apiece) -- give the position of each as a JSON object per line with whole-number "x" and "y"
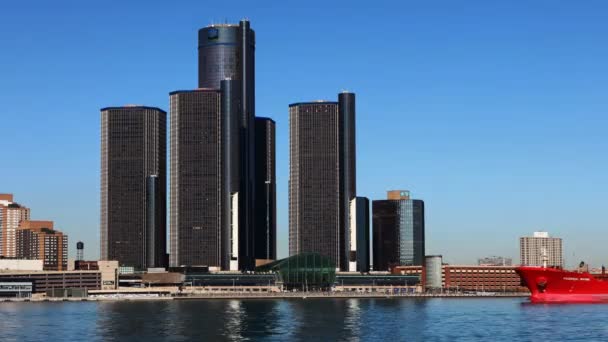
{"x": 200, "y": 197}
{"x": 265, "y": 202}
{"x": 11, "y": 215}
{"x": 133, "y": 186}
{"x": 533, "y": 250}
{"x": 226, "y": 170}
{"x": 398, "y": 231}
{"x": 227, "y": 52}
{"x": 322, "y": 177}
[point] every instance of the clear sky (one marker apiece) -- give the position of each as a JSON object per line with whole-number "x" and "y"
{"x": 494, "y": 113}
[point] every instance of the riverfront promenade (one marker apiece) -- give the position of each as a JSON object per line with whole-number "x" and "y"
{"x": 270, "y": 295}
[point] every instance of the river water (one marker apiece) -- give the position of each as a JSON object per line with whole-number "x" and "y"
{"x": 403, "y": 319}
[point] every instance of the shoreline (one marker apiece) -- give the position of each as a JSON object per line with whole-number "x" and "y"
{"x": 278, "y": 296}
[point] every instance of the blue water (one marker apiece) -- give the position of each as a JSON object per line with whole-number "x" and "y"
{"x": 486, "y": 319}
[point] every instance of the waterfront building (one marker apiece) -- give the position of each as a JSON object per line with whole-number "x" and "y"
{"x": 11, "y": 215}
{"x": 265, "y": 202}
{"x": 468, "y": 277}
{"x": 133, "y": 186}
{"x": 540, "y": 247}
{"x": 322, "y": 177}
{"x": 306, "y": 271}
{"x": 495, "y": 261}
{"x": 50, "y": 280}
{"x": 398, "y": 231}
{"x": 39, "y": 240}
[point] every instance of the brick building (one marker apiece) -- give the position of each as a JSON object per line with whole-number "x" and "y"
{"x": 39, "y": 240}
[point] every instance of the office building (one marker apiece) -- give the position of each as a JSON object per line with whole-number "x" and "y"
{"x": 398, "y": 231}
{"x": 133, "y": 186}
{"x": 359, "y": 258}
{"x": 200, "y": 191}
{"x": 265, "y": 202}
{"x": 11, "y": 215}
{"x": 39, "y": 240}
{"x": 541, "y": 247}
{"x": 322, "y": 177}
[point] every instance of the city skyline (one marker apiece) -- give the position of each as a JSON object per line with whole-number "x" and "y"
{"x": 461, "y": 144}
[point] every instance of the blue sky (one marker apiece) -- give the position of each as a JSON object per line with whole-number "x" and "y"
{"x": 494, "y": 113}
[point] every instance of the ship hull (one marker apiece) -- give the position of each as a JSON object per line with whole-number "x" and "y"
{"x": 552, "y": 285}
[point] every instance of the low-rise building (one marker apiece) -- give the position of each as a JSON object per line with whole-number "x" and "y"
{"x": 108, "y": 269}
{"x": 471, "y": 277}
{"x": 49, "y": 280}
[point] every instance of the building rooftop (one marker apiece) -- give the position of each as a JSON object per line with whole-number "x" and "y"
{"x": 195, "y": 90}
{"x": 131, "y": 106}
{"x": 6, "y": 197}
{"x": 315, "y": 102}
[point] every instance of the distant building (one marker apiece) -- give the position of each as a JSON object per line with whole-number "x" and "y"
{"x": 534, "y": 250}
{"x": 322, "y": 177}
{"x": 11, "y": 214}
{"x": 39, "y": 240}
{"x": 133, "y": 185}
{"x": 495, "y": 261}
{"x": 359, "y": 256}
{"x": 467, "y": 277}
{"x": 266, "y": 184}
{"x": 20, "y": 265}
{"x": 398, "y": 231}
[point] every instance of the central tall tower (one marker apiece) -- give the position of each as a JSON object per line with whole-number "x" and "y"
{"x": 226, "y": 52}
{"x": 220, "y": 231}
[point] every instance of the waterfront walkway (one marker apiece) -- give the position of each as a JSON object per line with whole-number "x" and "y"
{"x": 280, "y": 295}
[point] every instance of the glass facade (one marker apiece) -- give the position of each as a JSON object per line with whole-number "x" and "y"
{"x": 307, "y": 271}
{"x": 398, "y": 233}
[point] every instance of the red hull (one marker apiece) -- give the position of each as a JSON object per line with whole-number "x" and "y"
{"x": 552, "y": 285}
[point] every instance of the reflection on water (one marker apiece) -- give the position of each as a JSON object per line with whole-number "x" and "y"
{"x": 303, "y": 320}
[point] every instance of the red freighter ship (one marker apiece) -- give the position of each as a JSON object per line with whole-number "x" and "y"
{"x": 555, "y": 285}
